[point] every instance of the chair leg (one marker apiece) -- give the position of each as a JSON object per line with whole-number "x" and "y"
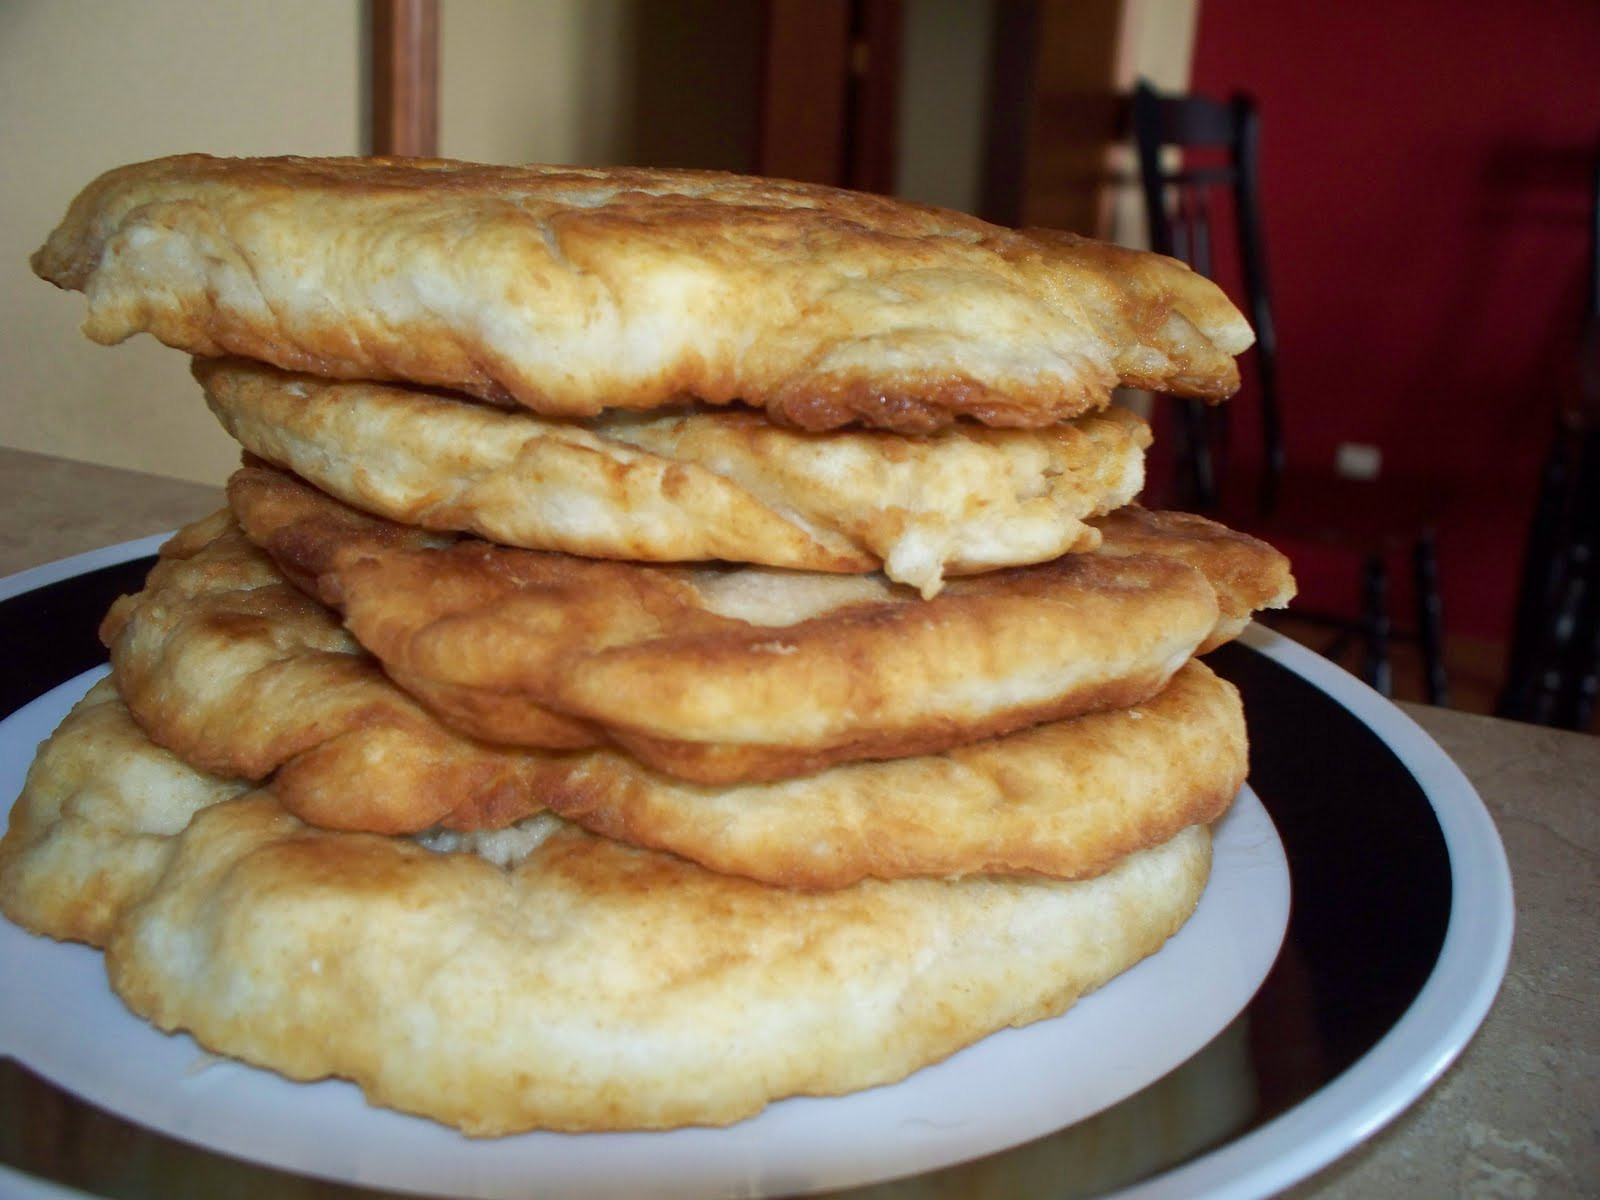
{"x": 1584, "y": 663}
{"x": 1375, "y": 623}
{"x": 1543, "y": 569}
{"x": 1430, "y": 619}
{"x": 1198, "y": 482}
{"x": 1582, "y": 686}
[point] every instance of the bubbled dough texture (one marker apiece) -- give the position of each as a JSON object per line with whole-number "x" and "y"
{"x": 570, "y": 290}
{"x": 1248, "y": 574}
{"x": 223, "y": 914}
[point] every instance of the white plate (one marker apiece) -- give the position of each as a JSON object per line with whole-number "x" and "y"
{"x": 1009, "y": 1088}
{"x": 1446, "y": 1013}
{"x": 58, "y": 1016}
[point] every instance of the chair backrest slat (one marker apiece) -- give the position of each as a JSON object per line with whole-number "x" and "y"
{"x": 1178, "y": 197}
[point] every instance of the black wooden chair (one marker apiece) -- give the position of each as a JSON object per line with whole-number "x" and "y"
{"x": 1553, "y": 673}
{"x": 1371, "y": 522}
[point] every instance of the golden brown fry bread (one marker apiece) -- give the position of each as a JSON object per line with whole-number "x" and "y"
{"x": 225, "y": 670}
{"x": 693, "y": 485}
{"x": 228, "y": 665}
{"x": 96, "y": 822}
{"x": 1247, "y": 573}
{"x": 1065, "y": 799}
{"x": 571, "y": 290}
{"x": 737, "y": 674}
{"x": 583, "y": 985}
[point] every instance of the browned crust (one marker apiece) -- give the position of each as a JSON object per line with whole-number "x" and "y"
{"x": 241, "y": 674}
{"x": 1065, "y": 799}
{"x": 690, "y": 484}
{"x": 714, "y": 763}
{"x": 282, "y": 697}
{"x": 569, "y": 290}
{"x": 1248, "y": 574}
{"x": 496, "y": 640}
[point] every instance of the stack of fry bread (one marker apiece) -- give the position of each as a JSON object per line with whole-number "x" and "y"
{"x": 675, "y": 641}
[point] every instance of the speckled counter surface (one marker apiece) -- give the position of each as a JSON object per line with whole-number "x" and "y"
{"x": 1518, "y": 1115}
{"x": 52, "y": 507}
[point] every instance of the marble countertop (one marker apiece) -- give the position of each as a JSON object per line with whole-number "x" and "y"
{"x": 1518, "y": 1115}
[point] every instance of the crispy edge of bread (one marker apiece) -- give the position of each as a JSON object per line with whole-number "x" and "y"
{"x": 569, "y": 290}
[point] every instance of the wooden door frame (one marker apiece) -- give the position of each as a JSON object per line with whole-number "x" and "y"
{"x": 830, "y": 86}
{"x": 829, "y": 92}
{"x": 403, "y": 69}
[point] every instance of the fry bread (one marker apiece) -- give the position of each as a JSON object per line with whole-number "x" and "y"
{"x": 228, "y": 665}
{"x": 571, "y": 290}
{"x": 693, "y": 485}
{"x": 581, "y": 985}
{"x": 1065, "y": 799}
{"x": 737, "y": 674}
{"x": 95, "y": 825}
{"x": 227, "y": 671}
{"x": 1249, "y": 575}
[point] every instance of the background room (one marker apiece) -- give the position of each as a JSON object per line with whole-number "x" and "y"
{"x": 1425, "y": 180}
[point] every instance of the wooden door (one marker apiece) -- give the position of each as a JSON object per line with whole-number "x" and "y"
{"x": 829, "y": 85}
{"x": 403, "y": 84}
{"x": 830, "y": 81}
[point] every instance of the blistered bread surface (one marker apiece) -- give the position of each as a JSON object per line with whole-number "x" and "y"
{"x": 1066, "y": 799}
{"x": 1248, "y": 574}
{"x": 223, "y": 662}
{"x": 731, "y": 674}
{"x": 571, "y": 290}
{"x": 692, "y": 485}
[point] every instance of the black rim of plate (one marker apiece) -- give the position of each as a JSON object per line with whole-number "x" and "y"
{"x": 1369, "y": 868}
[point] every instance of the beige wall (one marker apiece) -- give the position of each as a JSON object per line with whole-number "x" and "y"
{"x": 1157, "y": 44}
{"x": 87, "y": 85}
{"x": 91, "y": 84}
{"x": 943, "y": 97}
{"x": 535, "y": 80}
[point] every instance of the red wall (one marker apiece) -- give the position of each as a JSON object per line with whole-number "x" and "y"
{"x": 1426, "y": 191}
